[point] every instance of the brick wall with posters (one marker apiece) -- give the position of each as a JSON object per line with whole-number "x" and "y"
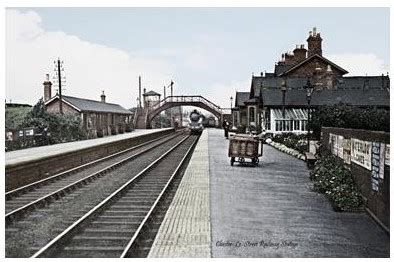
{"x": 366, "y": 153}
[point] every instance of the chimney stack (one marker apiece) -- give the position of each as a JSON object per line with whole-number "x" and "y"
{"x": 299, "y": 53}
{"x": 314, "y": 43}
{"x": 289, "y": 58}
{"x": 103, "y": 97}
{"x": 47, "y": 88}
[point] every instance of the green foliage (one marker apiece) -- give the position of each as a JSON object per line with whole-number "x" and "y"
{"x": 14, "y": 116}
{"x": 347, "y": 116}
{"x": 62, "y": 128}
{"x": 291, "y": 140}
{"x": 333, "y": 179}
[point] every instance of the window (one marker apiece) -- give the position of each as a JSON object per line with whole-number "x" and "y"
{"x": 303, "y": 125}
{"x": 251, "y": 114}
{"x": 297, "y": 125}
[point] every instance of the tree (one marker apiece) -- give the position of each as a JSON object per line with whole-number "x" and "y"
{"x": 62, "y": 128}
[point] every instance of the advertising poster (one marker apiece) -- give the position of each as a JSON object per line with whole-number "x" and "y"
{"x": 361, "y": 153}
{"x": 346, "y": 146}
{"x": 340, "y": 146}
{"x": 387, "y": 155}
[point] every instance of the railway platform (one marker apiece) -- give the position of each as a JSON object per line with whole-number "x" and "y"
{"x": 36, "y": 153}
{"x": 30, "y": 165}
{"x": 271, "y": 210}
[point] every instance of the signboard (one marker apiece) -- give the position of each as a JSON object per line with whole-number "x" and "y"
{"x": 387, "y": 155}
{"x": 340, "y": 146}
{"x": 8, "y": 136}
{"x": 375, "y": 184}
{"x": 29, "y": 132}
{"x": 361, "y": 153}
{"x": 347, "y": 147}
{"x": 382, "y": 159}
{"x": 334, "y": 144}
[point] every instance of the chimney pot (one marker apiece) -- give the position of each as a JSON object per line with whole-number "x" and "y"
{"x": 103, "y": 97}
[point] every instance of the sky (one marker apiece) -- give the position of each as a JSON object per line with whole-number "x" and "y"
{"x": 212, "y": 52}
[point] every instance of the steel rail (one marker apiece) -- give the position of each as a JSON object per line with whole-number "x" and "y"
{"x": 29, "y": 187}
{"x": 131, "y": 245}
{"x": 77, "y": 224}
{"x": 19, "y": 212}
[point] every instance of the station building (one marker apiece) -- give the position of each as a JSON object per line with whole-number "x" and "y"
{"x": 99, "y": 118}
{"x": 277, "y": 101}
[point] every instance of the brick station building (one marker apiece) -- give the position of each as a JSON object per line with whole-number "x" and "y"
{"x": 99, "y": 118}
{"x": 270, "y": 93}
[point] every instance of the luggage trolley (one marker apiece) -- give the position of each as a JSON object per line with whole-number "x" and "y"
{"x": 245, "y": 146}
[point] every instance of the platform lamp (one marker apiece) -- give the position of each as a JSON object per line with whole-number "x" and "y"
{"x": 231, "y": 108}
{"x": 283, "y": 88}
{"x": 309, "y": 90}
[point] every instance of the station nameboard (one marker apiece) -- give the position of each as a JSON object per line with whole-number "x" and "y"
{"x": 361, "y": 153}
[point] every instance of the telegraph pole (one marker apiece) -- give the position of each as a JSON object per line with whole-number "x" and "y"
{"x": 139, "y": 88}
{"x": 60, "y": 87}
{"x": 172, "y": 120}
{"x": 59, "y": 69}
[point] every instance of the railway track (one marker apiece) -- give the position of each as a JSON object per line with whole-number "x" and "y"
{"x": 24, "y": 199}
{"x": 116, "y": 227}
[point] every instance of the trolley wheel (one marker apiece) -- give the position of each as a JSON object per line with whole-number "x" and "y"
{"x": 241, "y": 160}
{"x": 232, "y": 161}
{"x": 255, "y": 161}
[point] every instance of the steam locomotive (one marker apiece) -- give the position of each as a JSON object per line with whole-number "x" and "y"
{"x": 195, "y": 125}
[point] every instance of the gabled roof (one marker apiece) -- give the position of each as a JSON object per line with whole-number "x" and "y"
{"x": 357, "y": 97}
{"x": 280, "y": 68}
{"x": 366, "y": 82}
{"x": 309, "y": 59}
{"x": 151, "y": 93}
{"x": 87, "y": 105}
{"x": 240, "y": 98}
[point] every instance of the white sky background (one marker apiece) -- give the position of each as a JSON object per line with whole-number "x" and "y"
{"x": 92, "y": 67}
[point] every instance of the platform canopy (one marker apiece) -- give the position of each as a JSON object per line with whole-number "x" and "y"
{"x": 291, "y": 114}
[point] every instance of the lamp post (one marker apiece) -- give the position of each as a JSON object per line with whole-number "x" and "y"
{"x": 309, "y": 89}
{"x": 283, "y": 88}
{"x": 171, "y": 99}
{"x": 231, "y": 109}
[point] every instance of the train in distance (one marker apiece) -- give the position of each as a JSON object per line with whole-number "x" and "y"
{"x": 195, "y": 123}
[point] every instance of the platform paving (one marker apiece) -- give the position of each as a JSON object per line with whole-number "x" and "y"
{"x": 35, "y": 153}
{"x": 271, "y": 211}
{"x": 185, "y": 231}
{"x": 265, "y": 211}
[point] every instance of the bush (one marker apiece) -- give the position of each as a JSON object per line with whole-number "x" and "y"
{"x": 128, "y": 128}
{"x": 333, "y": 179}
{"x": 347, "y": 116}
{"x": 291, "y": 140}
{"x": 100, "y": 133}
{"x": 62, "y": 128}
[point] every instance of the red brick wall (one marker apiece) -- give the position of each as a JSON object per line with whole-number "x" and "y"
{"x": 307, "y": 69}
{"x": 54, "y": 108}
